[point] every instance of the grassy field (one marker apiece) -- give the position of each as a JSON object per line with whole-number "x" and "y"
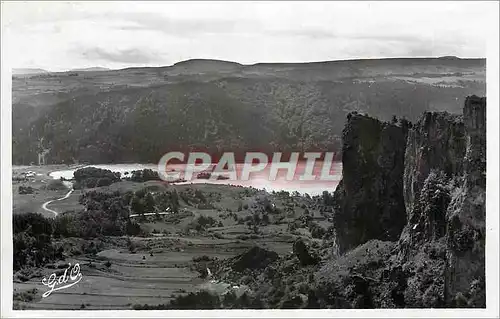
{"x": 23, "y": 203}
{"x": 139, "y": 278}
{"x": 161, "y": 264}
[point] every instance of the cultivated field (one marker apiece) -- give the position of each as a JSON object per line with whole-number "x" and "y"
{"x": 158, "y": 265}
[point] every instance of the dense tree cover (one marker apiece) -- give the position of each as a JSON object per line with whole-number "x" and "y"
{"x": 90, "y": 177}
{"x": 104, "y": 214}
{"x": 107, "y": 213}
{"x": 33, "y": 234}
{"x": 32, "y": 245}
{"x": 327, "y": 198}
{"x": 145, "y": 201}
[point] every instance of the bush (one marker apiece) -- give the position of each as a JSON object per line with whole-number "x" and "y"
{"x": 265, "y": 219}
{"x": 144, "y": 176}
{"x": 25, "y": 190}
{"x": 55, "y": 185}
{"x": 25, "y": 296}
{"x": 316, "y": 230}
{"x": 292, "y": 303}
{"x": 202, "y": 258}
{"x": 131, "y": 246}
{"x": 199, "y": 195}
{"x": 202, "y": 223}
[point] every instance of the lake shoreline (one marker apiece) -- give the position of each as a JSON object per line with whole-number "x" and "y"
{"x": 258, "y": 180}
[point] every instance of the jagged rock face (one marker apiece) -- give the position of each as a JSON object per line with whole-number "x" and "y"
{"x": 466, "y": 215}
{"x": 436, "y": 142}
{"x": 439, "y": 260}
{"x": 427, "y": 219}
{"x": 369, "y": 200}
{"x": 443, "y": 241}
{"x": 421, "y": 250}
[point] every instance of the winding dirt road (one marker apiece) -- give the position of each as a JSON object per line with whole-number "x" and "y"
{"x": 44, "y": 206}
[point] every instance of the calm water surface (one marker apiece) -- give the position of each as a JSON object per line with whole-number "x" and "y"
{"x": 259, "y": 180}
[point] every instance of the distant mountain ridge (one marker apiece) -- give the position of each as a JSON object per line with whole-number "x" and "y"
{"x": 90, "y": 69}
{"x": 195, "y": 62}
{"x": 23, "y": 71}
{"x": 206, "y": 61}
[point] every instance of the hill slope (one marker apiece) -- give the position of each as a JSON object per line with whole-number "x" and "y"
{"x": 96, "y": 68}
{"x": 138, "y": 114}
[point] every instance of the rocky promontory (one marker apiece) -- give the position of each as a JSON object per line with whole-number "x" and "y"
{"x": 438, "y": 258}
{"x": 369, "y": 199}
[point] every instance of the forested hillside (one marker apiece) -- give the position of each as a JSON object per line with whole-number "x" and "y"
{"x": 136, "y": 115}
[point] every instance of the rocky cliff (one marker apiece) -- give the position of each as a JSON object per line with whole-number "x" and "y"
{"x": 369, "y": 200}
{"x": 445, "y": 195}
{"x": 466, "y": 214}
{"x": 439, "y": 258}
{"x": 436, "y": 142}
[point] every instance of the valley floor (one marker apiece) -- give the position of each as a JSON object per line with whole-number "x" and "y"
{"x": 161, "y": 264}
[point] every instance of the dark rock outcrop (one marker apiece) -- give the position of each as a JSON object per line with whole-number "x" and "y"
{"x": 439, "y": 260}
{"x": 436, "y": 142}
{"x": 466, "y": 230}
{"x": 369, "y": 199}
{"x": 254, "y": 258}
{"x": 443, "y": 242}
{"x": 302, "y": 252}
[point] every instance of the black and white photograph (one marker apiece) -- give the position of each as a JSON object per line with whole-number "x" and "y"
{"x": 302, "y": 159}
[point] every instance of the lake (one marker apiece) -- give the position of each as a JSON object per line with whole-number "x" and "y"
{"x": 259, "y": 180}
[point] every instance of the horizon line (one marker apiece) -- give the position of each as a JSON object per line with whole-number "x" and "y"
{"x": 83, "y": 69}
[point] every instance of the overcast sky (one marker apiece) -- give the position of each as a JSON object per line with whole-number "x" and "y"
{"x": 59, "y": 36}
